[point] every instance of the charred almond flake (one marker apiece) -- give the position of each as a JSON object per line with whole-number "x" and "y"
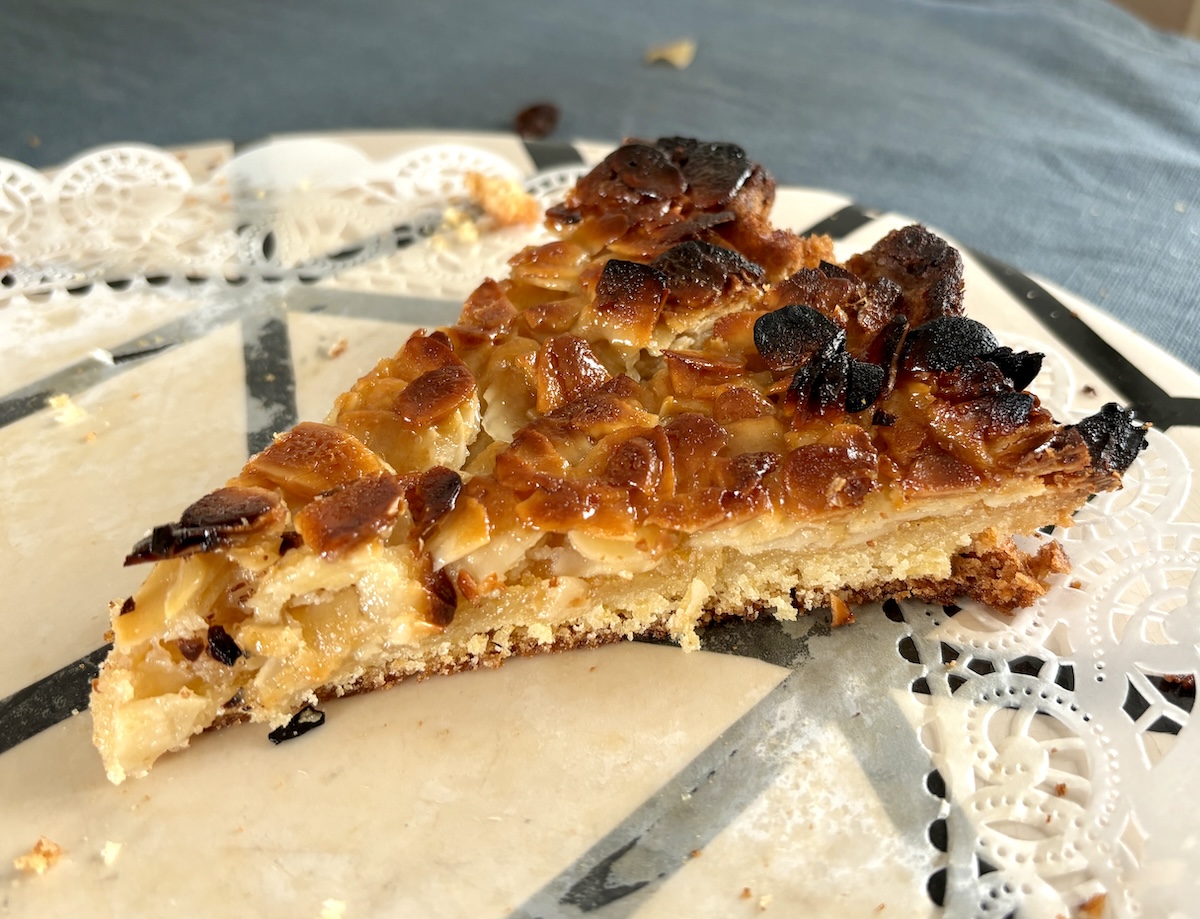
{"x": 351, "y": 514}
{"x": 698, "y": 272}
{"x": 629, "y": 299}
{"x": 302, "y": 722}
{"x": 536, "y": 121}
{"x": 221, "y": 646}
{"x": 715, "y": 172}
{"x": 216, "y": 520}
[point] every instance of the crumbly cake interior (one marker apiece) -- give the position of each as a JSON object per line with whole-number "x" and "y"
{"x": 672, "y": 412}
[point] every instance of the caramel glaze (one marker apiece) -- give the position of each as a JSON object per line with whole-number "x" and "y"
{"x": 678, "y": 364}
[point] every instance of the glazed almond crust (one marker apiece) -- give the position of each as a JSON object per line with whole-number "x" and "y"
{"x": 674, "y": 412}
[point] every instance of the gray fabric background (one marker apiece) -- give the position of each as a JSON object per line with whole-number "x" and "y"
{"x": 1059, "y": 135}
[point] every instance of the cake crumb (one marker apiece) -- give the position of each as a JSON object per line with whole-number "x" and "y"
{"x": 695, "y": 853}
{"x": 679, "y": 54}
{"x": 110, "y": 852}
{"x": 1093, "y": 907}
{"x": 338, "y": 348}
{"x": 1061, "y": 789}
{"x": 746, "y": 893}
{"x": 43, "y": 856}
{"x": 34, "y": 141}
{"x": 6, "y": 261}
{"x": 1076, "y": 584}
{"x": 764, "y": 902}
{"x": 65, "y": 410}
{"x": 842, "y": 614}
{"x": 536, "y": 121}
{"x": 1089, "y": 390}
{"x": 503, "y": 199}
{"x": 333, "y": 909}
{"x": 881, "y": 907}
{"x": 89, "y": 437}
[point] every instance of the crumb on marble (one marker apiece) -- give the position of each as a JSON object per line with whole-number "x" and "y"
{"x": 338, "y": 348}
{"x": 746, "y": 893}
{"x": 110, "y": 852}
{"x": 679, "y": 54}
{"x": 44, "y": 855}
{"x": 65, "y": 410}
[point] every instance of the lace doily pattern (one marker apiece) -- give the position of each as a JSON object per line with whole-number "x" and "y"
{"x": 294, "y": 209}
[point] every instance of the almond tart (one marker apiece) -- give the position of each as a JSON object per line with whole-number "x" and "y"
{"x": 672, "y": 412}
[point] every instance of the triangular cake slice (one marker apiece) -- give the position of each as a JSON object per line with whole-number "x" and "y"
{"x": 672, "y": 412}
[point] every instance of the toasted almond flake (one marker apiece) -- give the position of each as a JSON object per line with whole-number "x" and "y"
{"x": 842, "y": 614}
{"x": 43, "y": 856}
{"x": 679, "y": 54}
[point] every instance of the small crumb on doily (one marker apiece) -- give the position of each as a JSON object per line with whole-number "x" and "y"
{"x": 110, "y": 852}
{"x": 764, "y": 902}
{"x": 43, "y": 856}
{"x": 1093, "y": 907}
{"x": 746, "y": 893}
{"x": 1061, "y": 789}
{"x": 679, "y": 54}
{"x": 333, "y": 909}
{"x": 503, "y": 199}
{"x": 842, "y": 614}
{"x": 338, "y": 348}
{"x": 6, "y": 262}
{"x": 65, "y": 410}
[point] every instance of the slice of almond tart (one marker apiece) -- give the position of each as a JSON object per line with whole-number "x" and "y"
{"x": 673, "y": 412}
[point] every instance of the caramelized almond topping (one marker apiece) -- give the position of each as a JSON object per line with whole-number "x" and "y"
{"x": 312, "y": 458}
{"x": 567, "y": 367}
{"x": 434, "y": 395}
{"x": 352, "y": 514}
{"x": 432, "y": 496}
{"x": 488, "y": 309}
{"x": 838, "y": 473}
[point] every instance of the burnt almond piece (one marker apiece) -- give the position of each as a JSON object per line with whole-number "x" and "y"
{"x": 629, "y": 299}
{"x": 226, "y": 516}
